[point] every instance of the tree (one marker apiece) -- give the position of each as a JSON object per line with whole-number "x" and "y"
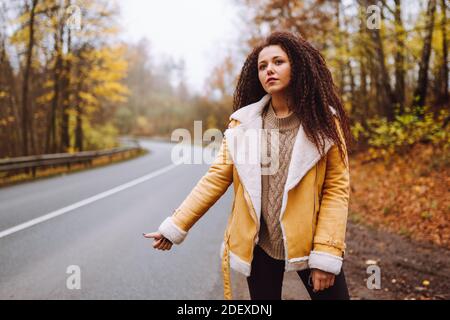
{"x": 422, "y": 83}
{"x": 443, "y": 96}
{"x": 26, "y": 79}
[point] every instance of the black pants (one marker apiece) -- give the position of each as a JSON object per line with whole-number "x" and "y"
{"x": 266, "y": 280}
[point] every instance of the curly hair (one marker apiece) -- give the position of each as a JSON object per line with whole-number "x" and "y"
{"x": 311, "y": 90}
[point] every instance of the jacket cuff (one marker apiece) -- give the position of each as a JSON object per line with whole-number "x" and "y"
{"x": 325, "y": 262}
{"x": 171, "y": 231}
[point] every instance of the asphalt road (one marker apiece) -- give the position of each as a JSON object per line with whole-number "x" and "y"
{"x": 94, "y": 220}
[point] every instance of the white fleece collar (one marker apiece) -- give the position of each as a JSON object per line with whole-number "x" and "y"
{"x": 247, "y": 156}
{"x": 250, "y": 111}
{"x": 254, "y": 110}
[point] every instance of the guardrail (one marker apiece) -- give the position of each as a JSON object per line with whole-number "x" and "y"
{"x": 31, "y": 163}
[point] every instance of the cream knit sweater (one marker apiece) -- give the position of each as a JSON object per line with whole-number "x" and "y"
{"x": 270, "y": 235}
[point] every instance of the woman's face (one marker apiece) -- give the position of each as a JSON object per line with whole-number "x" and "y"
{"x": 273, "y": 63}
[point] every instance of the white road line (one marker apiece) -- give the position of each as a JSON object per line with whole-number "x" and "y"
{"x": 84, "y": 202}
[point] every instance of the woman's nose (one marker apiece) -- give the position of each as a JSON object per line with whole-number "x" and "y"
{"x": 269, "y": 70}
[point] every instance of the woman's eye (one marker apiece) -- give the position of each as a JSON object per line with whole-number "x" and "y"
{"x": 278, "y": 62}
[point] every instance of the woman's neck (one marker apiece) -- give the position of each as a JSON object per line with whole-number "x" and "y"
{"x": 280, "y": 105}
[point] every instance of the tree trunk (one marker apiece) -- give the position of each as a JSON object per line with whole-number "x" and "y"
{"x": 381, "y": 75}
{"x": 444, "y": 98}
{"x": 65, "y": 136}
{"x": 349, "y": 68}
{"x": 9, "y": 83}
{"x": 338, "y": 45}
{"x": 26, "y": 82}
{"x": 79, "y": 129}
{"x": 51, "y": 131}
{"x": 399, "y": 58}
{"x": 422, "y": 84}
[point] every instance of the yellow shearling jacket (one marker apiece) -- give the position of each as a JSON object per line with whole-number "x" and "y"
{"x": 314, "y": 205}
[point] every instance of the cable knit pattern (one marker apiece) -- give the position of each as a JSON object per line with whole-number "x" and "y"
{"x": 270, "y": 235}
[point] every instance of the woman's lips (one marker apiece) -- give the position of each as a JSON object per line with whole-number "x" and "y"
{"x": 272, "y": 80}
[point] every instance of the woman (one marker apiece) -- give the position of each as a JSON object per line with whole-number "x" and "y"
{"x": 290, "y": 216}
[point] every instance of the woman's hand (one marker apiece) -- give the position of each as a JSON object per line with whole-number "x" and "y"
{"x": 321, "y": 279}
{"x": 160, "y": 242}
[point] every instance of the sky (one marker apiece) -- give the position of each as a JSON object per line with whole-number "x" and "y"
{"x": 199, "y": 31}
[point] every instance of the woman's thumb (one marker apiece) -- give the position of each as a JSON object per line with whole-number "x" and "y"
{"x": 154, "y": 235}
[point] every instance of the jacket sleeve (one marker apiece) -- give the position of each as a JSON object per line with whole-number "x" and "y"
{"x": 329, "y": 239}
{"x": 206, "y": 192}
